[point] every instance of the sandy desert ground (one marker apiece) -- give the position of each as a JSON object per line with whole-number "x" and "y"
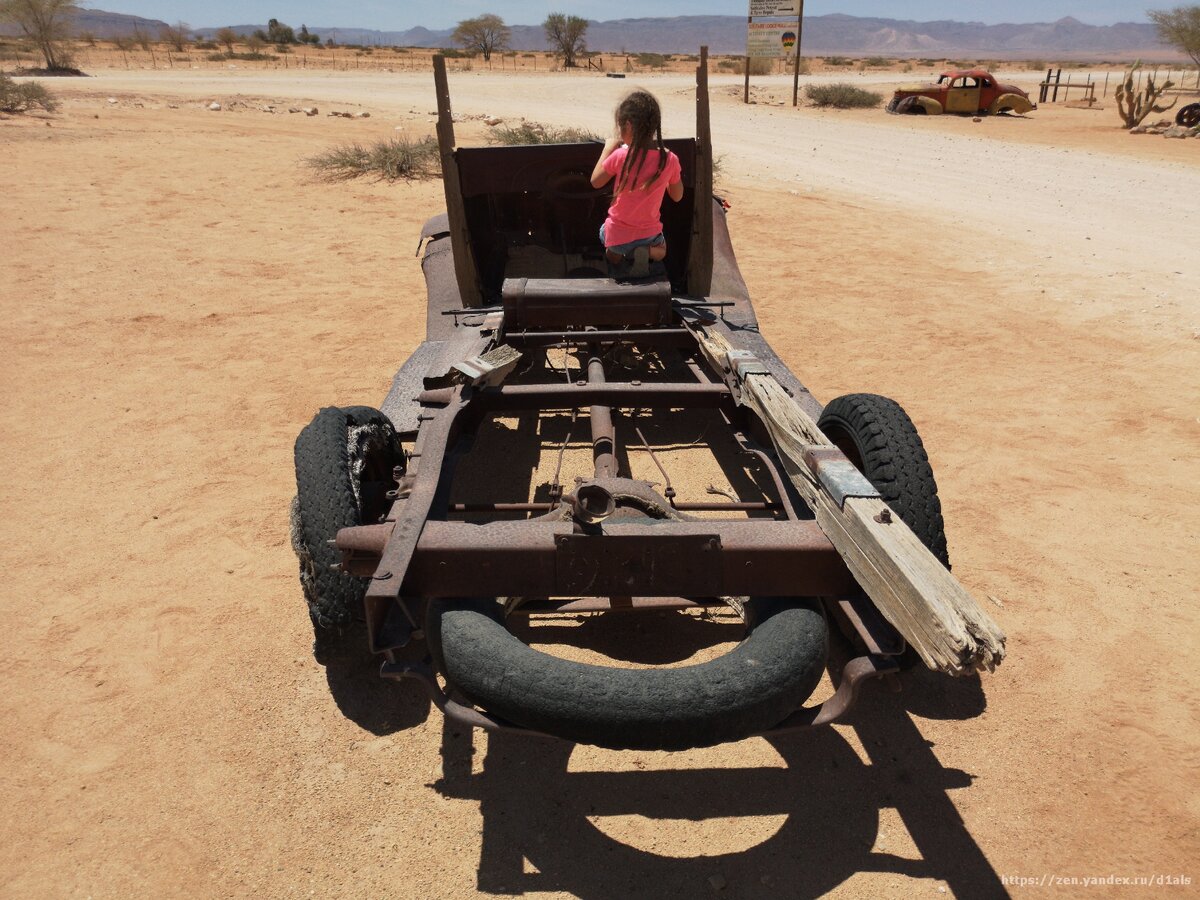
{"x": 181, "y": 296}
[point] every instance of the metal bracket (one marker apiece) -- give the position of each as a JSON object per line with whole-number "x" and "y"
{"x": 744, "y": 363}
{"x": 837, "y": 475}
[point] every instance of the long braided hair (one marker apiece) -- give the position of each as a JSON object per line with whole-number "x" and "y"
{"x": 641, "y": 111}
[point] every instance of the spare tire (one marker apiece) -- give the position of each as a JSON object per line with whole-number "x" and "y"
{"x": 344, "y": 460}
{"x": 748, "y": 690}
{"x": 877, "y": 435}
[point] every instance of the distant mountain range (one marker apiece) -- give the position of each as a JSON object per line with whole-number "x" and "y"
{"x": 823, "y": 36}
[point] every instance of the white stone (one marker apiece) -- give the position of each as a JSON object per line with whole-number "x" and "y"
{"x": 215, "y": 106}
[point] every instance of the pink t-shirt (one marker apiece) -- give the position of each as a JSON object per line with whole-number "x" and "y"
{"x": 634, "y": 213}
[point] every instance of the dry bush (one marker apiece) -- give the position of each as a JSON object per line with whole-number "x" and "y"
{"x": 388, "y": 160}
{"x": 876, "y": 62}
{"x": 651, "y": 60}
{"x": 842, "y": 96}
{"x": 537, "y": 133}
{"x": 19, "y": 98}
{"x": 838, "y": 61}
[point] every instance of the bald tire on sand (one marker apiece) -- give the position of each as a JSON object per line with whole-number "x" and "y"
{"x": 331, "y": 455}
{"x": 748, "y": 690}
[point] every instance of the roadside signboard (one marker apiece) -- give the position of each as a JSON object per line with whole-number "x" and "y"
{"x": 771, "y": 39}
{"x": 760, "y": 8}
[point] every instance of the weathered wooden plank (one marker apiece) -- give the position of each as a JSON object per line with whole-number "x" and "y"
{"x": 700, "y": 255}
{"x": 460, "y": 237}
{"x": 940, "y": 620}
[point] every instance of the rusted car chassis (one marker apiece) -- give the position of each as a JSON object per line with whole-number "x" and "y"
{"x": 615, "y": 543}
{"x": 527, "y": 336}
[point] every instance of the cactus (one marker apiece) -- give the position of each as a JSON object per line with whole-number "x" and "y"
{"x": 1133, "y": 105}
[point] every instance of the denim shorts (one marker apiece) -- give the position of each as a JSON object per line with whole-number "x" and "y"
{"x": 626, "y": 249}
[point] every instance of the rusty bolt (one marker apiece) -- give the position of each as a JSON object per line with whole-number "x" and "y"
{"x": 884, "y": 517}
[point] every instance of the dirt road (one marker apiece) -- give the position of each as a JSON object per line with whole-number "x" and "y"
{"x": 180, "y": 298}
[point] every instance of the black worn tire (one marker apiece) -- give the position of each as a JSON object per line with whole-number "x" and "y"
{"x": 1188, "y": 115}
{"x": 748, "y": 690}
{"x": 881, "y": 440}
{"x": 331, "y": 453}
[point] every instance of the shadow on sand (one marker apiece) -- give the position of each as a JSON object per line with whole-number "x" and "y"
{"x": 538, "y": 832}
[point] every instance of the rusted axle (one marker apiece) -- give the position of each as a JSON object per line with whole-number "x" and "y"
{"x": 664, "y": 559}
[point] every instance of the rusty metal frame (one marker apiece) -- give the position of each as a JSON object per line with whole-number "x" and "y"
{"x": 654, "y": 556}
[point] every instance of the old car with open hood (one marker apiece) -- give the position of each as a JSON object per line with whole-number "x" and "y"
{"x": 973, "y": 92}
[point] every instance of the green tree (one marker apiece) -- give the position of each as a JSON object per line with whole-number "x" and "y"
{"x": 45, "y": 22}
{"x": 307, "y": 37}
{"x": 228, "y": 37}
{"x": 565, "y": 34}
{"x": 278, "y": 33}
{"x": 483, "y": 34}
{"x": 1179, "y": 27}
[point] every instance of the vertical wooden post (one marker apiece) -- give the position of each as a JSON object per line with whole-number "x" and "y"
{"x": 1106, "y": 74}
{"x": 700, "y": 253}
{"x": 456, "y": 213}
{"x": 799, "y": 45}
{"x": 746, "y": 91}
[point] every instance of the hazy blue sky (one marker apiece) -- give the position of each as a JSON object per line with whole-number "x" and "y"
{"x": 392, "y": 16}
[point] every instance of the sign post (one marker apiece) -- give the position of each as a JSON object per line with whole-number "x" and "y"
{"x": 772, "y": 40}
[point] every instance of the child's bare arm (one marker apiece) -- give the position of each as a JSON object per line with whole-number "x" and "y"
{"x": 599, "y": 177}
{"x": 675, "y": 191}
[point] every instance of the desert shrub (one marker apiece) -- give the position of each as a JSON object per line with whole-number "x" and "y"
{"x": 876, "y": 62}
{"x": 537, "y": 133}
{"x": 651, "y": 60}
{"x": 206, "y": 45}
{"x": 842, "y": 96}
{"x": 455, "y": 53}
{"x": 929, "y": 62}
{"x": 88, "y": 38}
{"x": 388, "y": 160}
{"x": 123, "y": 42}
{"x": 19, "y": 98}
{"x": 760, "y": 65}
{"x": 728, "y": 65}
{"x": 838, "y": 61}
{"x": 253, "y": 56}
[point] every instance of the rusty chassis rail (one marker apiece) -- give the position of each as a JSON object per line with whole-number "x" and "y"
{"x": 659, "y": 559}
